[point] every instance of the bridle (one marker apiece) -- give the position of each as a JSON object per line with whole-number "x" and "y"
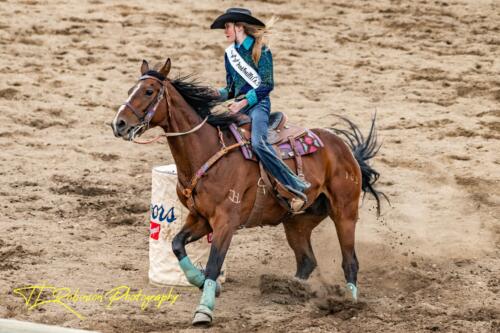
{"x": 146, "y": 116}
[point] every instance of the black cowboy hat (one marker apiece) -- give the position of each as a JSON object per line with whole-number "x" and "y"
{"x": 236, "y": 15}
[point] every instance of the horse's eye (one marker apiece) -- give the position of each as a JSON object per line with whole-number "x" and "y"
{"x": 149, "y": 92}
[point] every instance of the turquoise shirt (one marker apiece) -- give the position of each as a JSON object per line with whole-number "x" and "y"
{"x": 236, "y": 85}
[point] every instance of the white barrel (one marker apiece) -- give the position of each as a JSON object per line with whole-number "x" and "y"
{"x": 167, "y": 215}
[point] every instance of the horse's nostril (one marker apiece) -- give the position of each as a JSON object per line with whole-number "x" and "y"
{"x": 121, "y": 124}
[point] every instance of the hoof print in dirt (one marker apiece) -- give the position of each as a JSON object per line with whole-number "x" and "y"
{"x": 284, "y": 290}
{"x": 342, "y": 308}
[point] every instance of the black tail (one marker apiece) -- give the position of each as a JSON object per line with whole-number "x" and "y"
{"x": 364, "y": 150}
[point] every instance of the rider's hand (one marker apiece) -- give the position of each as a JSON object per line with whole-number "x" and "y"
{"x": 237, "y": 106}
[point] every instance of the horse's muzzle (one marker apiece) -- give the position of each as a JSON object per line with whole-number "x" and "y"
{"x": 120, "y": 128}
{"x": 119, "y": 125}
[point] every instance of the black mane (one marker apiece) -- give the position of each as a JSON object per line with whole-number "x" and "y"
{"x": 202, "y": 100}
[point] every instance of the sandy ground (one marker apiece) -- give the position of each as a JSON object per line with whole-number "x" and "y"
{"x": 74, "y": 199}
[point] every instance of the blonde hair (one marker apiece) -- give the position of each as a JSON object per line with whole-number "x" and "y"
{"x": 261, "y": 36}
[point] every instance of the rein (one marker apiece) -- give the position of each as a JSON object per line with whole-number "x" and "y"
{"x": 170, "y": 134}
{"x": 151, "y": 111}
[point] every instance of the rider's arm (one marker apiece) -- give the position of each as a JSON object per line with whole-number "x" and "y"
{"x": 228, "y": 91}
{"x": 265, "y": 69}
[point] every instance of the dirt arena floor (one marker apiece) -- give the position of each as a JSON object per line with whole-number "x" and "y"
{"x": 74, "y": 199}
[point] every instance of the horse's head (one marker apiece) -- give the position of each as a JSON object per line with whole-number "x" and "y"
{"x": 141, "y": 109}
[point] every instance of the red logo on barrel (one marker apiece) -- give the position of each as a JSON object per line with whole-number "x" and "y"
{"x": 154, "y": 230}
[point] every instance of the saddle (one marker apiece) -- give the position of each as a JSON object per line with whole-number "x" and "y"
{"x": 280, "y": 135}
{"x": 289, "y": 141}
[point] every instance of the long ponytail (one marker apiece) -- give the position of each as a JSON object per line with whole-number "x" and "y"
{"x": 261, "y": 36}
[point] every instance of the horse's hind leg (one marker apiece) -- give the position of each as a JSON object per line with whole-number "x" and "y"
{"x": 345, "y": 217}
{"x": 298, "y": 233}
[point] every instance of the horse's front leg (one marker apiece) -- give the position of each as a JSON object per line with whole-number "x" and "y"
{"x": 193, "y": 229}
{"x": 224, "y": 228}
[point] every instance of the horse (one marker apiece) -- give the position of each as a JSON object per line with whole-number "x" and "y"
{"x": 338, "y": 173}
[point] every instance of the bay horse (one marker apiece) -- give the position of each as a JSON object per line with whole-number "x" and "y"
{"x": 338, "y": 173}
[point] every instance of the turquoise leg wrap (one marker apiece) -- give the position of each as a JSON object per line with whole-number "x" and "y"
{"x": 354, "y": 291}
{"x": 193, "y": 274}
{"x": 208, "y": 297}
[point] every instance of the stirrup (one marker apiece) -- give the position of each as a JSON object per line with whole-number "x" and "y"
{"x": 297, "y": 205}
{"x": 298, "y": 202}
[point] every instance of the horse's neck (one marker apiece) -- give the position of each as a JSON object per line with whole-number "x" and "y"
{"x": 189, "y": 151}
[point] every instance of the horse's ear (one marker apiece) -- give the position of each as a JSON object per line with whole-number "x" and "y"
{"x": 165, "y": 69}
{"x": 144, "y": 67}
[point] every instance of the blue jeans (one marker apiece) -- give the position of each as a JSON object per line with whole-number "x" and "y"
{"x": 264, "y": 151}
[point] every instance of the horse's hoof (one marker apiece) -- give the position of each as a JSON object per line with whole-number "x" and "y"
{"x": 202, "y": 316}
{"x": 218, "y": 288}
{"x": 354, "y": 291}
{"x": 201, "y": 319}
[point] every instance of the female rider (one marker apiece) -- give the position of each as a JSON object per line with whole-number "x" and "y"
{"x": 249, "y": 78}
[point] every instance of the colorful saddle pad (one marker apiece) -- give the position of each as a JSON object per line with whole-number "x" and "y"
{"x": 305, "y": 143}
